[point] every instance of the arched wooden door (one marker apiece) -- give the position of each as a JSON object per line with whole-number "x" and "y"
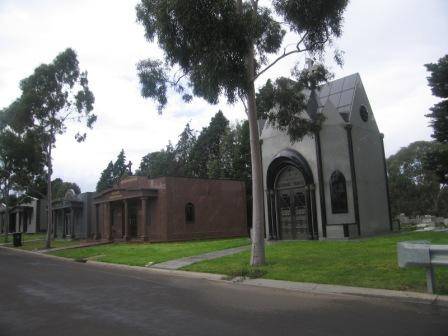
{"x": 292, "y": 207}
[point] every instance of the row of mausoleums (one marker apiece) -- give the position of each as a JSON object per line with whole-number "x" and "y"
{"x": 329, "y": 185}
{"x": 138, "y": 208}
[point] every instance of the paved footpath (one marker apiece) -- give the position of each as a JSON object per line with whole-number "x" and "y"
{"x": 182, "y": 262}
{"x": 43, "y": 295}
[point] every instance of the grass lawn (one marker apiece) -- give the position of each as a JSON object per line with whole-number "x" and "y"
{"x": 40, "y": 245}
{"x": 140, "y": 254}
{"x": 368, "y": 262}
{"x": 32, "y": 236}
{"x": 25, "y": 237}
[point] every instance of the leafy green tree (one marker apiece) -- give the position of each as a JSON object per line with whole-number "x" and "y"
{"x": 275, "y": 102}
{"x": 220, "y": 47}
{"x": 161, "y": 163}
{"x": 53, "y": 95}
{"x": 61, "y": 187}
{"x": 437, "y": 158}
{"x": 414, "y": 185}
{"x": 438, "y": 82}
{"x": 58, "y": 188}
{"x": 206, "y": 153}
{"x": 21, "y": 163}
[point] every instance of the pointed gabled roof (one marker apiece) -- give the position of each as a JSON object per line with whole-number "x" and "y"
{"x": 335, "y": 100}
{"x": 340, "y": 94}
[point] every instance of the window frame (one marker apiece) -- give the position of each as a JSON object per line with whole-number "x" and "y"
{"x": 189, "y": 213}
{"x": 339, "y": 205}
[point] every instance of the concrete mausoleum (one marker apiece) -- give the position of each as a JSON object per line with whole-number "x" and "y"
{"x": 27, "y": 217}
{"x": 332, "y": 184}
{"x": 73, "y": 216}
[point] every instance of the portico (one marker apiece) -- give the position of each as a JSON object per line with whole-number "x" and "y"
{"x": 124, "y": 213}
{"x": 66, "y": 214}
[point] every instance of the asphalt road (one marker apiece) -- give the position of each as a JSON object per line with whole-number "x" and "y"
{"x": 43, "y": 296}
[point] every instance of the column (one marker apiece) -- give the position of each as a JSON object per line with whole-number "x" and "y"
{"x": 107, "y": 221}
{"x": 55, "y": 223}
{"x": 271, "y": 213}
{"x": 97, "y": 222}
{"x": 353, "y": 176}
{"x": 63, "y": 224}
{"x": 144, "y": 220}
{"x": 312, "y": 191}
{"x": 19, "y": 214}
{"x": 127, "y": 229}
{"x": 72, "y": 222}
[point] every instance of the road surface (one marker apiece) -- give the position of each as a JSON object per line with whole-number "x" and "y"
{"x": 46, "y": 296}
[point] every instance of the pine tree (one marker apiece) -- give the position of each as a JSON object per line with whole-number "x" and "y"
{"x": 106, "y": 180}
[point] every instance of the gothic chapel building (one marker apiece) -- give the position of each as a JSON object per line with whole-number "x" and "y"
{"x": 332, "y": 184}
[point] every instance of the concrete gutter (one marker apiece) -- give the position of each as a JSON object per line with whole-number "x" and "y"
{"x": 313, "y": 288}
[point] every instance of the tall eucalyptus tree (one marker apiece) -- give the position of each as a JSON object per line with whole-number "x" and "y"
{"x": 218, "y": 48}
{"x": 54, "y": 95}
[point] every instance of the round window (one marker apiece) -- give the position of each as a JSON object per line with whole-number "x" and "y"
{"x": 363, "y": 113}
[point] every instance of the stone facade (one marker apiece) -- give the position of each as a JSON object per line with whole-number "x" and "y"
{"x": 170, "y": 209}
{"x": 72, "y": 216}
{"x": 27, "y": 217}
{"x": 332, "y": 184}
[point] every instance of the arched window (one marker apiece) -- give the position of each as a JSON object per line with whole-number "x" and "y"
{"x": 189, "y": 212}
{"x": 338, "y": 192}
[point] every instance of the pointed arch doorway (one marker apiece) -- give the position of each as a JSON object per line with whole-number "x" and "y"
{"x": 291, "y": 198}
{"x": 292, "y": 207}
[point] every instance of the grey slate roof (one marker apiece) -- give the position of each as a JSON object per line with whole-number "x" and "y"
{"x": 340, "y": 94}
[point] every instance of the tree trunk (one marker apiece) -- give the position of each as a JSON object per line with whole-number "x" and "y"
{"x": 257, "y": 252}
{"x": 6, "y": 223}
{"x": 257, "y": 255}
{"x": 49, "y": 197}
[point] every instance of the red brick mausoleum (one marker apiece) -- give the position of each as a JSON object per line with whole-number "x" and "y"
{"x": 169, "y": 209}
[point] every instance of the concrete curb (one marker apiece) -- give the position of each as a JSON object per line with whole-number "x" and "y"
{"x": 414, "y": 297}
{"x": 313, "y": 288}
{"x": 12, "y": 249}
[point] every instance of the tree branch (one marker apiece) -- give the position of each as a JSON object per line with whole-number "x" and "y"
{"x": 67, "y": 115}
{"x": 178, "y": 80}
{"x": 285, "y": 54}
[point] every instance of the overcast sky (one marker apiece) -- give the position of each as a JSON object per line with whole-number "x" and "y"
{"x": 386, "y": 41}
